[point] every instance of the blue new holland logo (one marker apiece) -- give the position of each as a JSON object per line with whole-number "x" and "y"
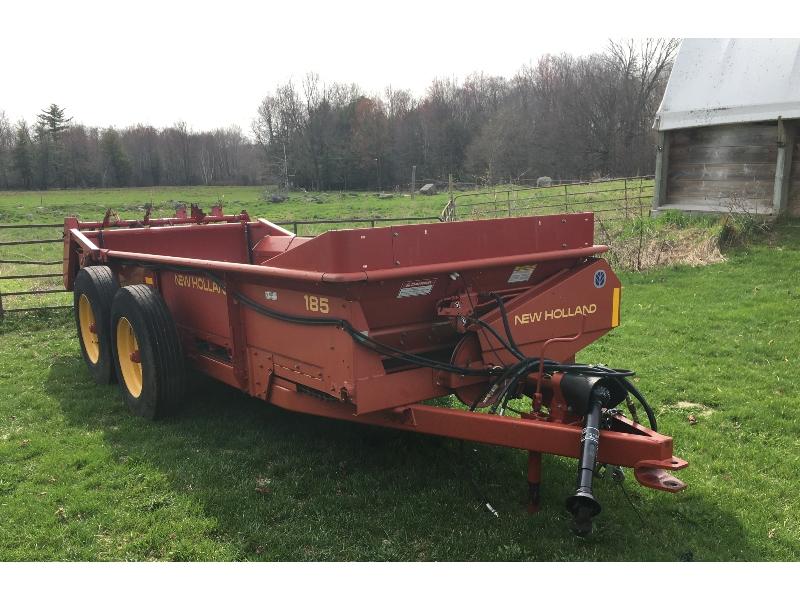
{"x": 599, "y": 279}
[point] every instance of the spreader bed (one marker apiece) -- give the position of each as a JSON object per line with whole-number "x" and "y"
{"x": 368, "y": 324}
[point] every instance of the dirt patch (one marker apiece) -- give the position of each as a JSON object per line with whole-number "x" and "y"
{"x": 694, "y": 247}
{"x": 700, "y": 409}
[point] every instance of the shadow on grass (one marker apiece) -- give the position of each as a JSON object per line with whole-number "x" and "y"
{"x": 284, "y": 486}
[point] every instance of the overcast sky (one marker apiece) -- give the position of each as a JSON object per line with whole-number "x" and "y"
{"x": 210, "y": 63}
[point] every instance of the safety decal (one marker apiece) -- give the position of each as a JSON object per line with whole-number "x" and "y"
{"x": 419, "y": 287}
{"x": 521, "y": 273}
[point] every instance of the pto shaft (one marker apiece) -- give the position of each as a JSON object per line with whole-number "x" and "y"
{"x": 582, "y": 504}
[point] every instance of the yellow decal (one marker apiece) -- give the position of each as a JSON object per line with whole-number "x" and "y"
{"x": 148, "y": 280}
{"x": 615, "y": 308}
{"x": 316, "y": 304}
{"x": 555, "y": 313}
{"x": 198, "y": 283}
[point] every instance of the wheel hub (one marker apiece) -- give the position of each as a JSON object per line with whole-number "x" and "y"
{"x": 129, "y": 360}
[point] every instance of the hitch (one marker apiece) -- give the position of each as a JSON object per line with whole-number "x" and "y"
{"x": 653, "y": 474}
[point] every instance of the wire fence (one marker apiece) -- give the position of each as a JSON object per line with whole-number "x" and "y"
{"x": 621, "y": 209}
{"x": 23, "y": 279}
{"x": 32, "y": 286}
{"x": 26, "y": 284}
{"x": 610, "y": 199}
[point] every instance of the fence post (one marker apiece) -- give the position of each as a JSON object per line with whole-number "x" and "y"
{"x": 450, "y": 186}
{"x": 450, "y": 194}
{"x": 626, "y": 198}
{"x": 566, "y": 199}
{"x": 662, "y": 169}
{"x": 641, "y": 181}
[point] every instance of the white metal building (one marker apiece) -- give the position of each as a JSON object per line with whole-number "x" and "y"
{"x": 729, "y": 127}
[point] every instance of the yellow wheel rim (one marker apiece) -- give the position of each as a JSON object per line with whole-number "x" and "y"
{"x": 129, "y": 360}
{"x": 91, "y": 342}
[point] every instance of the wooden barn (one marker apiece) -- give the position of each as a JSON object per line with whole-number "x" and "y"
{"x": 729, "y": 128}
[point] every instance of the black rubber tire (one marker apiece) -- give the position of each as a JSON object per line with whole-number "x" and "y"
{"x": 160, "y": 354}
{"x": 99, "y": 286}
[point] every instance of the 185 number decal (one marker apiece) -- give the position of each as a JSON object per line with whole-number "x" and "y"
{"x": 316, "y": 304}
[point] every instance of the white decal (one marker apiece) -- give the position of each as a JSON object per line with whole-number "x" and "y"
{"x": 411, "y": 289}
{"x": 522, "y": 273}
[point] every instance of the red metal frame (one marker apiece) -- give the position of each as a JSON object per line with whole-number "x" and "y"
{"x": 412, "y": 287}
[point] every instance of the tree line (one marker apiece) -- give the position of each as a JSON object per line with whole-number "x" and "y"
{"x": 565, "y": 117}
{"x": 56, "y": 153}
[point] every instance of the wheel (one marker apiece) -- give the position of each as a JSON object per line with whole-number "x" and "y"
{"x": 147, "y": 352}
{"x": 93, "y": 294}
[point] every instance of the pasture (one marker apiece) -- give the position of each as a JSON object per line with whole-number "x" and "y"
{"x": 230, "y": 478}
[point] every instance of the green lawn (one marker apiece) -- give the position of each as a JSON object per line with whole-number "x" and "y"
{"x": 52, "y": 206}
{"x": 230, "y": 478}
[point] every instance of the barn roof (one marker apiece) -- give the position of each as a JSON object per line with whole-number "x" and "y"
{"x": 731, "y": 80}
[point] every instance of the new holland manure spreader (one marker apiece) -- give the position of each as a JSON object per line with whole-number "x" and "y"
{"x": 368, "y": 324}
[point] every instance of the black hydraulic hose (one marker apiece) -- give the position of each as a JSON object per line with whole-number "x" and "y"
{"x": 513, "y": 350}
{"x": 633, "y": 390}
{"x": 475, "y": 312}
{"x": 524, "y": 369}
{"x": 596, "y": 371}
{"x": 502, "y": 306}
{"x": 651, "y": 416}
{"x": 511, "y": 375}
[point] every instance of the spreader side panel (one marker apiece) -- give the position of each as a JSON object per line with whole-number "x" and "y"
{"x": 582, "y": 304}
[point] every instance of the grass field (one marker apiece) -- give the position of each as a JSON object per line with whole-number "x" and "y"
{"x": 230, "y": 478}
{"x": 52, "y": 206}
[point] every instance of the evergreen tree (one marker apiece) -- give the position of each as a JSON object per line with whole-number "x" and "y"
{"x": 23, "y": 156}
{"x": 50, "y": 125}
{"x": 53, "y": 119}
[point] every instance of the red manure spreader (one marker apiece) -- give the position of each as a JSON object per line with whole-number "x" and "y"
{"x": 369, "y": 325}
